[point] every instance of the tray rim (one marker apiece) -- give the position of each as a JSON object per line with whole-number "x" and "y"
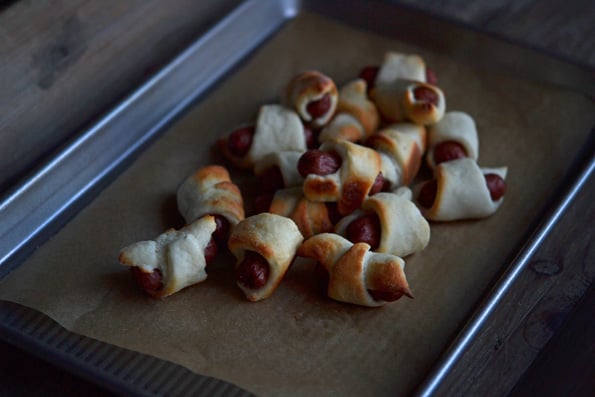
{"x": 286, "y": 10}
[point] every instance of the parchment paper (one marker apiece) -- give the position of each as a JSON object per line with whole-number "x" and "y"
{"x": 299, "y": 342}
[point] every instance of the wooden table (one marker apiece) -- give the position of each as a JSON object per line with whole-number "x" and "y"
{"x": 542, "y": 342}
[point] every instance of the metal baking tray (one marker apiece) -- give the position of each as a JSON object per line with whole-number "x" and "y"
{"x": 67, "y": 186}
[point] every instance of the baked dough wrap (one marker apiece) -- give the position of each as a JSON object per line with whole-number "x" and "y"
{"x": 311, "y": 217}
{"x": 454, "y": 126}
{"x": 397, "y": 66}
{"x": 286, "y": 162}
{"x": 351, "y": 183}
{"x": 343, "y": 126}
{"x": 308, "y": 87}
{"x": 209, "y": 190}
{"x": 402, "y": 145}
{"x": 275, "y": 238}
{"x": 403, "y": 229}
{"x": 462, "y": 191}
{"x": 277, "y": 128}
{"x": 178, "y": 254}
{"x": 357, "y": 116}
{"x": 396, "y": 102}
{"x": 354, "y": 270}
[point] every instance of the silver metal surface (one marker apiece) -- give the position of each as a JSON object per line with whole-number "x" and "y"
{"x": 59, "y": 189}
{"x": 121, "y": 371}
{"x": 480, "y": 319}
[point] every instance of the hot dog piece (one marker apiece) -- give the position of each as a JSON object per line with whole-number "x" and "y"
{"x": 349, "y": 183}
{"x": 150, "y": 282}
{"x": 277, "y": 129}
{"x": 427, "y": 194}
{"x": 447, "y": 151}
{"x": 364, "y": 229}
{"x": 431, "y": 77}
{"x": 496, "y": 186}
{"x": 310, "y": 217}
{"x": 262, "y": 202}
{"x": 380, "y": 184}
{"x": 253, "y": 271}
{"x": 210, "y": 251}
{"x": 401, "y": 147}
{"x": 453, "y": 137}
{"x": 273, "y": 238}
{"x": 357, "y": 275}
{"x": 278, "y": 170}
{"x": 209, "y": 190}
{"x": 314, "y": 96}
{"x": 318, "y": 162}
{"x": 175, "y": 260}
{"x": 407, "y": 100}
{"x": 357, "y": 116}
{"x": 240, "y": 140}
{"x": 271, "y": 179}
{"x": 368, "y": 74}
{"x": 461, "y": 190}
{"x": 320, "y": 107}
{"x": 389, "y": 223}
{"x": 311, "y": 137}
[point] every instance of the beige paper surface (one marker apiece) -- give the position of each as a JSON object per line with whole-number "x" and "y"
{"x": 298, "y": 342}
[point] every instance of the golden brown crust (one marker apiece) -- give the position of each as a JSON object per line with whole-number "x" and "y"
{"x": 275, "y": 238}
{"x": 353, "y": 99}
{"x": 343, "y": 126}
{"x": 350, "y": 185}
{"x": 348, "y": 271}
{"x": 354, "y": 271}
{"x": 310, "y": 86}
{"x": 311, "y": 217}
{"x": 209, "y": 190}
{"x": 404, "y": 143}
{"x": 396, "y": 102}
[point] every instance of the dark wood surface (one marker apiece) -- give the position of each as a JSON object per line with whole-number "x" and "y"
{"x": 542, "y": 341}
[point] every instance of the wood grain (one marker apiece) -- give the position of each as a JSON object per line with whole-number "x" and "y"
{"x": 564, "y": 28}
{"x": 536, "y": 307}
{"x": 64, "y": 63}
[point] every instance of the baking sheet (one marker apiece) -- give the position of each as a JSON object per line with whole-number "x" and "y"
{"x": 298, "y": 342}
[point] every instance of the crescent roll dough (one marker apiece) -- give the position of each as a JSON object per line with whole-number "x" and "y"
{"x": 343, "y": 126}
{"x": 309, "y": 87}
{"x": 210, "y": 190}
{"x": 404, "y": 230}
{"x": 458, "y": 127}
{"x": 311, "y": 217}
{"x": 357, "y": 116}
{"x": 396, "y": 66}
{"x": 277, "y": 129}
{"x": 397, "y": 102}
{"x": 351, "y": 183}
{"x": 177, "y": 254}
{"x": 402, "y": 145}
{"x": 462, "y": 192}
{"x": 287, "y": 164}
{"x": 275, "y": 238}
{"x": 354, "y": 271}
